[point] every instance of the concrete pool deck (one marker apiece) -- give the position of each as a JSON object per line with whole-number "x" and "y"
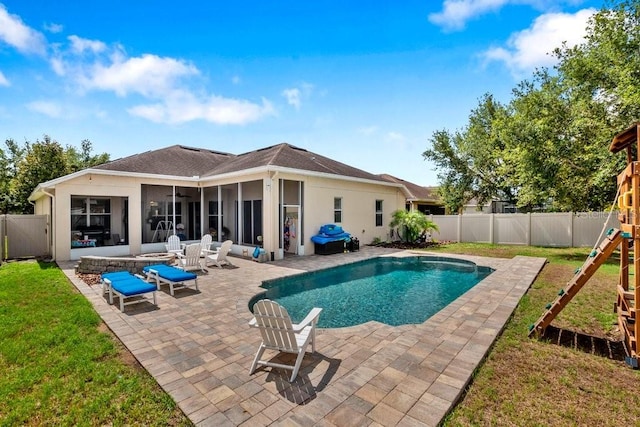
{"x": 199, "y": 347}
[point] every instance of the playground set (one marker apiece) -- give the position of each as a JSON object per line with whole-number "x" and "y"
{"x": 627, "y": 238}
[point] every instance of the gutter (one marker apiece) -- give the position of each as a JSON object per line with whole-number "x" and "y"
{"x": 51, "y": 231}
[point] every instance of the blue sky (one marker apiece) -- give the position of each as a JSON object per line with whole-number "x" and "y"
{"x": 365, "y": 83}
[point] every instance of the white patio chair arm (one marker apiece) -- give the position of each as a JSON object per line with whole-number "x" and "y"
{"x": 253, "y": 323}
{"x": 311, "y": 317}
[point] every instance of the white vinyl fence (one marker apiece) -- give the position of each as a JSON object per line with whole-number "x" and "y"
{"x": 535, "y": 229}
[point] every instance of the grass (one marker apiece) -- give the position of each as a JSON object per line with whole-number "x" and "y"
{"x": 526, "y": 381}
{"x": 59, "y": 365}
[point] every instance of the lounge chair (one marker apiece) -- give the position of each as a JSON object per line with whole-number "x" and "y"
{"x": 174, "y": 277}
{"x": 126, "y": 285}
{"x": 174, "y": 246}
{"x": 279, "y": 334}
{"x": 219, "y": 257}
{"x": 191, "y": 258}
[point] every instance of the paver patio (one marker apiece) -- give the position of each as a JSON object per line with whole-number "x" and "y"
{"x": 199, "y": 348}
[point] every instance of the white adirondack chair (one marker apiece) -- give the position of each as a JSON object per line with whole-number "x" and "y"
{"x": 219, "y": 257}
{"x": 206, "y": 244}
{"x": 191, "y": 258}
{"x": 279, "y": 334}
{"x": 174, "y": 245}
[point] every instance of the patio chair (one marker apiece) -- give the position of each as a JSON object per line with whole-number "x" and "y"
{"x": 206, "y": 244}
{"x": 174, "y": 246}
{"x": 219, "y": 257}
{"x": 279, "y": 334}
{"x": 190, "y": 260}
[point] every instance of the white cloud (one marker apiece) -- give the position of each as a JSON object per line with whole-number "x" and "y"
{"x": 3, "y": 80}
{"x": 182, "y": 106}
{"x": 80, "y": 45}
{"x": 531, "y": 48}
{"x": 236, "y": 80}
{"x": 53, "y": 28}
{"x": 15, "y": 33}
{"x": 47, "y": 108}
{"x": 148, "y": 75}
{"x": 456, "y": 13}
{"x": 293, "y": 97}
{"x": 166, "y": 83}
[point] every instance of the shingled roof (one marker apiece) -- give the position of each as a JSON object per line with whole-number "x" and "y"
{"x": 416, "y": 191}
{"x": 179, "y": 160}
{"x": 288, "y": 156}
{"x": 176, "y": 160}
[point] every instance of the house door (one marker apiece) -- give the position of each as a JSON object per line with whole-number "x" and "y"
{"x": 193, "y": 226}
{"x": 290, "y": 230}
{"x": 252, "y": 222}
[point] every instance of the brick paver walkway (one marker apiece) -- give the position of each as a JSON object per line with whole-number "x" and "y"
{"x": 199, "y": 347}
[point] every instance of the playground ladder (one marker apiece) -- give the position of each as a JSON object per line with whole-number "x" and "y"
{"x": 596, "y": 258}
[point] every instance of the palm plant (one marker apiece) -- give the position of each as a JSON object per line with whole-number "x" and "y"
{"x": 412, "y": 224}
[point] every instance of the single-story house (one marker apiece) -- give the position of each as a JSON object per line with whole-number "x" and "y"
{"x": 276, "y": 198}
{"x": 419, "y": 198}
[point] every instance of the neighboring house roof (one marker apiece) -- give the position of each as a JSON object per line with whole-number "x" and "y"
{"x": 416, "y": 192}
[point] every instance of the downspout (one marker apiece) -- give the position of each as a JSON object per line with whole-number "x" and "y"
{"x": 51, "y": 228}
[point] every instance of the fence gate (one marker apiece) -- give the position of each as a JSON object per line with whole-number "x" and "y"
{"x": 24, "y": 236}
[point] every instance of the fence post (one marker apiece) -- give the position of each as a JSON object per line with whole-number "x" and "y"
{"x": 459, "y": 231}
{"x": 491, "y": 227}
{"x": 529, "y": 230}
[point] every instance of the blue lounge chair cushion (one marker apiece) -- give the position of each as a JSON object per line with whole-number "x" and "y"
{"x": 133, "y": 286}
{"x": 116, "y": 275}
{"x": 170, "y": 273}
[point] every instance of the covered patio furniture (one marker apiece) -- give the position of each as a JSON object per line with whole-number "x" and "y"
{"x": 279, "y": 334}
{"x": 331, "y": 239}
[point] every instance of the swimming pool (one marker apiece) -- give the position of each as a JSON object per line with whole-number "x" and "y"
{"x": 391, "y": 290}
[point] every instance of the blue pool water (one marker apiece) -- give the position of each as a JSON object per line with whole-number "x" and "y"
{"x": 395, "y": 291}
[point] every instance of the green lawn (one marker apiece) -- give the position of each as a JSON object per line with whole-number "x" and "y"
{"x": 59, "y": 366}
{"x": 530, "y": 382}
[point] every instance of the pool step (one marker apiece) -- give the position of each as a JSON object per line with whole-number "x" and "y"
{"x": 596, "y": 258}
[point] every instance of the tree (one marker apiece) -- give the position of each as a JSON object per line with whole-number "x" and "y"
{"x": 44, "y": 160}
{"x": 548, "y": 147}
{"x": 9, "y": 160}
{"x": 413, "y": 224}
{"x": 23, "y": 168}
{"x": 471, "y": 161}
{"x": 78, "y": 160}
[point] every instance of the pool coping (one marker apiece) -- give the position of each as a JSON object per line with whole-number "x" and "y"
{"x": 199, "y": 347}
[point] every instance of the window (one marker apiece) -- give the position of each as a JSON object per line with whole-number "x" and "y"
{"x": 378, "y": 213}
{"x": 90, "y": 221}
{"x": 213, "y": 216}
{"x": 337, "y": 209}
